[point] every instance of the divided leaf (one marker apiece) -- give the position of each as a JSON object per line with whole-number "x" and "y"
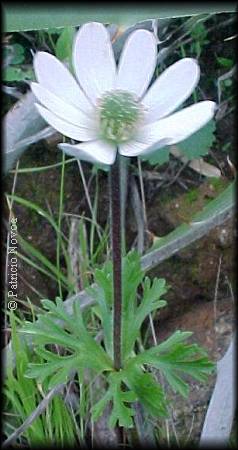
{"x": 78, "y": 349}
{"x": 176, "y": 359}
{"x": 121, "y": 414}
{"x": 133, "y": 314}
{"x": 73, "y": 338}
{"x": 133, "y": 320}
{"x": 148, "y": 390}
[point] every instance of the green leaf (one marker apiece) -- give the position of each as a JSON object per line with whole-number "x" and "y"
{"x": 149, "y": 392}
{"x": 103, "y": 294}
{"x": 174, "y": 359}
{"x": 104, "y": 277}
{"x": 132, "y": 277}
{"x": 99, "y": 407}
{"x": 42, "y": 371}
{"x": 199, "y": 143}
{"x": 72, "y": 336}
{"x": 14, "y": 54}
{"x": 45, "y": 332}
{"x": 199, "y": 33}
{"x": 225, "y": 62}
{"x": 159, "y": 157}
{"x": 64, "y": 44}
{"x": 62, "y": 374}
{"x": 193, "y": 147}
{"x": 17, "y": 74}
{"x": 174, "y": 339}
{"x": 133, "y": 314}
{"x": 177, "y": 383}
{"x": 152, "y": 291}
{"x": 133, "y": 320}
{"x": 120, "y": 412}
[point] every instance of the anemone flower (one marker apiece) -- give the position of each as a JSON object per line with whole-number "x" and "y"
{"x": 108, "y": 108}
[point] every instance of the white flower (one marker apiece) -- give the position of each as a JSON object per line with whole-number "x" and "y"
{"x": 108, "y": 108}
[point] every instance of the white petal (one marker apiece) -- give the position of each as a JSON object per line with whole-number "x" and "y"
{"x": 64, "y": 110}
{"x": 79, "y": 133}
{"x": 94, "y": 151}
{"x": 136, "y": 148}
{"x": 171, "y": 89}
{"x": 137, "y": 62}
{"x": 171, "y": 130}
{"x": 93, "y": 60}
{"x": 55, "y": 77}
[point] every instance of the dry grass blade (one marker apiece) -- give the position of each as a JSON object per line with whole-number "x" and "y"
{"x": 22, "y": 126}
{"x": 219, "y": 419}
{"x": 38, "y": 411}
{"x": 138, "y": 212}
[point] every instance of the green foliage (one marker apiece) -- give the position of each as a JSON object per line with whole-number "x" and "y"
{"x": 199, "y": 143}
{"x": 193, "y": 147}
{"x": 14, "y": 54}
{"x": 133, "y": 314}
{"x": 199, "y": 32}
{"x": 22, "y": 398}
{"x": 14, "y": 70}
{"x": 174, "y": 359}
{"x": 80, "y": 351}
{"x": 21, "y": 394}
{"x": 126, "y": 387}
{"x": 159, "y": 157}
{"x": 120, "y": 412}
{"x": 192, "y": 195}
{"x": 225, "y": 62}
{"x": 148, "y": 390}
{"x": 199, "y": 36}
{"x": 64, "y": 44}
{"x": 81, "y": 348}
{"x": 11, "y": 74}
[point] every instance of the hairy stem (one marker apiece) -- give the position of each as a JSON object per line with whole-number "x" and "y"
{"x": 115, "y": 201}
{"x": 124, "y": 171}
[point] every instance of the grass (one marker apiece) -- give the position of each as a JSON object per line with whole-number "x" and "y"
{"x": 22, "y": 396}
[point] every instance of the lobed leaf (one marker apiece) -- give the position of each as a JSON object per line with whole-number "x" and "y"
{"x": 174, "y": 359}
{"x": 148, "y": 391}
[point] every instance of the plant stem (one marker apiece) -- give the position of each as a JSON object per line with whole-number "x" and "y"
{"x": 115, "y": 202}
{"x": 124, "y": 169}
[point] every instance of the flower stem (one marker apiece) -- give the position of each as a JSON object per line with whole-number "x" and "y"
{"x": 115, "y": 201}
{"x": 124, "y": 169}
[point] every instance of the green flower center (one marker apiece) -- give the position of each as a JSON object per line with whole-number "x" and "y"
{"x": 119, "y": 114}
